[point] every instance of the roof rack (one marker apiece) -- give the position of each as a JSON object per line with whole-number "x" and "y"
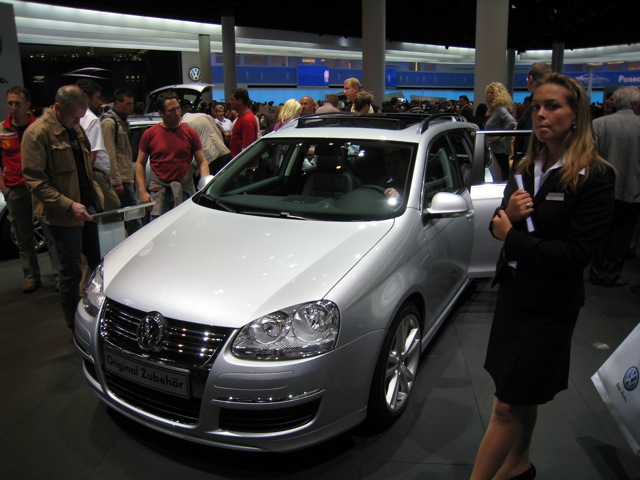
{"x": 348, "y": 119}
{"x": 387, "y": 121}
{"x": 454, "y": 117}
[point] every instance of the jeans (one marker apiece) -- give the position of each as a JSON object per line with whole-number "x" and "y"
{"x": 21, "y": 217}
{"x": 71, "y": 243}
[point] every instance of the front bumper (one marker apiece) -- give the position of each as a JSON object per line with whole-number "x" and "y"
{"x": 241, "y": 404}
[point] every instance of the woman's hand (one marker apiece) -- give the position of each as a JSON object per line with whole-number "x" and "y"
{"x": 501, "y": 225}
{"x": 520, "y": 206}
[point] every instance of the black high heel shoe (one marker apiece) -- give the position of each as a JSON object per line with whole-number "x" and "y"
{"x": 529, "y": 474}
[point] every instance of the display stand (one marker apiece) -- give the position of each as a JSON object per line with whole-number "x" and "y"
{"x": 111, "y": 225}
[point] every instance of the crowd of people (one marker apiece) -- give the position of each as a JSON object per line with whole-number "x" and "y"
{"x": 571, "y": 201}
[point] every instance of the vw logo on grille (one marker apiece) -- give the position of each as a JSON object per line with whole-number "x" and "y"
{"x": 150, "y": 331}
{"x": 630, "y": 379}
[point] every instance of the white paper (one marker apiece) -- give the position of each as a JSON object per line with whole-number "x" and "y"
{"x": 530, "y": 227}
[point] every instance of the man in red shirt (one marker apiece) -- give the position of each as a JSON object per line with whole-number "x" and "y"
{"x": 15, "y": 192}
{"x": 170, "y": 146}
{"x": 245, "y": 128}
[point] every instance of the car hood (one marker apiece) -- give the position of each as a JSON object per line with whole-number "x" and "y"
{"x": 213, "y": 267}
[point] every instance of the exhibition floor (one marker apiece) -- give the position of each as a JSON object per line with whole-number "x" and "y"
{"x": 53, "y": 426}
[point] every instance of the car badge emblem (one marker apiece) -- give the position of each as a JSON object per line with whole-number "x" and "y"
{"x": 150, "y": 331}
{"x": 194, "y": 74}
{"x": 630, "y": 379}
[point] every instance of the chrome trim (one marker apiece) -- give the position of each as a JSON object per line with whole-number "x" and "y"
{"x": 271, "y": 400}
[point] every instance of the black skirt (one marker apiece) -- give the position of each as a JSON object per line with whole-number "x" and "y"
{"x": 529, "y": 350}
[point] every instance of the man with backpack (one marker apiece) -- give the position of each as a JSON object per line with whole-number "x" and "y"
{"x": 115, "y": 132}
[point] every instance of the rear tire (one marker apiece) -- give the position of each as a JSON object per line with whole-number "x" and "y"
{"x": 396, "y": 368}
{"x": 39, "y": 238}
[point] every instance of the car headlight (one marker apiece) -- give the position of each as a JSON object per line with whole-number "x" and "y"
{"x": 300, "y": 331}
{"x": 93, "y": 296}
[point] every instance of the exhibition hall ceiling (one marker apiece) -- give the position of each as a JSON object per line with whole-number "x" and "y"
{"x": 533, "y": 24}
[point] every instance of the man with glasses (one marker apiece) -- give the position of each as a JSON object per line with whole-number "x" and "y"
{"x": 56, "y": 164}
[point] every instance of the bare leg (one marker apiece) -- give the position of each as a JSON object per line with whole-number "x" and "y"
{"x": 518, "y": 460}
{"x": 504, "y": 431}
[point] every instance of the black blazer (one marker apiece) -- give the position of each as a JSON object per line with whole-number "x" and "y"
{"x": 568, "y": 225}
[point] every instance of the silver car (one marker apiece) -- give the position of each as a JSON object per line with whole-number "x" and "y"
{"x": 291, "y": 298}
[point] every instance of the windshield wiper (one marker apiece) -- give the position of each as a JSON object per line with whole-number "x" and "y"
{"x": 295, "y": 217}
{"x": 223, "y": 206}
{"x": 259, "y": 213}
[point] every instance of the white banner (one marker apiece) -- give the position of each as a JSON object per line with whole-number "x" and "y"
{"x": 618, "y": 383}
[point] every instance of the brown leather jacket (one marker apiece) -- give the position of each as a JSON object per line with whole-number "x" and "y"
{"x": 49, "y": 169}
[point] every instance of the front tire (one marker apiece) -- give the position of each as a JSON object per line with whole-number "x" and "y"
{"x": 396, "y": 368}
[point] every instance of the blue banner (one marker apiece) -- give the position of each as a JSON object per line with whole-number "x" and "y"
{"x": 321, "y": 76}
{"x": 608, "y": 79}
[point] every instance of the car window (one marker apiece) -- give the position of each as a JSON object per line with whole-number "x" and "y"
{"x": 194, "y": 96}
{"x": 331, "y": 179}
{"x": 498, "y": 144}
{"x": 135, "y": 135}
{"x": 463, "y": 155}
{"x": 442, "y": 173}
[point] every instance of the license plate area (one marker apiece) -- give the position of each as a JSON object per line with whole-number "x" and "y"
{"x": 163, "y": 379}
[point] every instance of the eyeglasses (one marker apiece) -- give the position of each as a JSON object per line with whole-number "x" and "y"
{"x": 14, "y": 103}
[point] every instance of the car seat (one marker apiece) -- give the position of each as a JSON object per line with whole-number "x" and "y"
{"x": 332, "y": 177}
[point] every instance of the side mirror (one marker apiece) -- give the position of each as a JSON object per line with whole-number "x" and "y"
{"x": 203, "y": 181}
{"x": 446, "y": 204}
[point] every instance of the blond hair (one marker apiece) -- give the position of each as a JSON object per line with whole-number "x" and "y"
{"x": 353, "y": 83}
{"x": 289, "y": 110}
{"x": 500, "y": 96}
{"x": 578, "y": 147}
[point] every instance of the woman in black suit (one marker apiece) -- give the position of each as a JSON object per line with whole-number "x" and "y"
{"x": 549, "y": 228}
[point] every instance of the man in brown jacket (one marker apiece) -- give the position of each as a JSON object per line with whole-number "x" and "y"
{"x": 115, "y": 132}
{"x": 57, "y": 169}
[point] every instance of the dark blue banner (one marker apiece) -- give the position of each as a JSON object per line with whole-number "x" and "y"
{"x": 607, "y": 79}
{"x": 321, "y": 76}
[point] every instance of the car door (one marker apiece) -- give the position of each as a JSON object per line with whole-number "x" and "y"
{"x": 486, "y": 194}
{"x": 449, "y": 239}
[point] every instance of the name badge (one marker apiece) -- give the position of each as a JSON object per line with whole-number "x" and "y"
{"x": 555, "y": 197}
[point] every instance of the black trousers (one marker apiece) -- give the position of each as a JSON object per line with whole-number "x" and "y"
{"x": 606, "y": 266}
{"x": 71, "y": 243}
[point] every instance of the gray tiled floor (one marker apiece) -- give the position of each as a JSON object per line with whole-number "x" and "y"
{"x": 53, "y": 426}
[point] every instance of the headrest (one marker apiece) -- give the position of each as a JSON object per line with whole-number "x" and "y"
{"x": 331, "y": 164}
{"x": 329, "y": 150}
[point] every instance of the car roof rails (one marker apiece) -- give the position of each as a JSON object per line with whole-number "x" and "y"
{"x": 387, "y": 121}
{"x": 451, "y": 116}
{"x": 348, "y": 119}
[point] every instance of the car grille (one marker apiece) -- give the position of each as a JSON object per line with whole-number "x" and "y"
{"x": 185, "y": 345}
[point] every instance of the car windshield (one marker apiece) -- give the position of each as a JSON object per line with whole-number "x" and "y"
{"x": 322, "y": 179}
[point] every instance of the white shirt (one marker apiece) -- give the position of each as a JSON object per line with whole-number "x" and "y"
{"x": 225, "y": 123}
{"x": 540, "y": 176}
{"x": 91, "y": 125}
